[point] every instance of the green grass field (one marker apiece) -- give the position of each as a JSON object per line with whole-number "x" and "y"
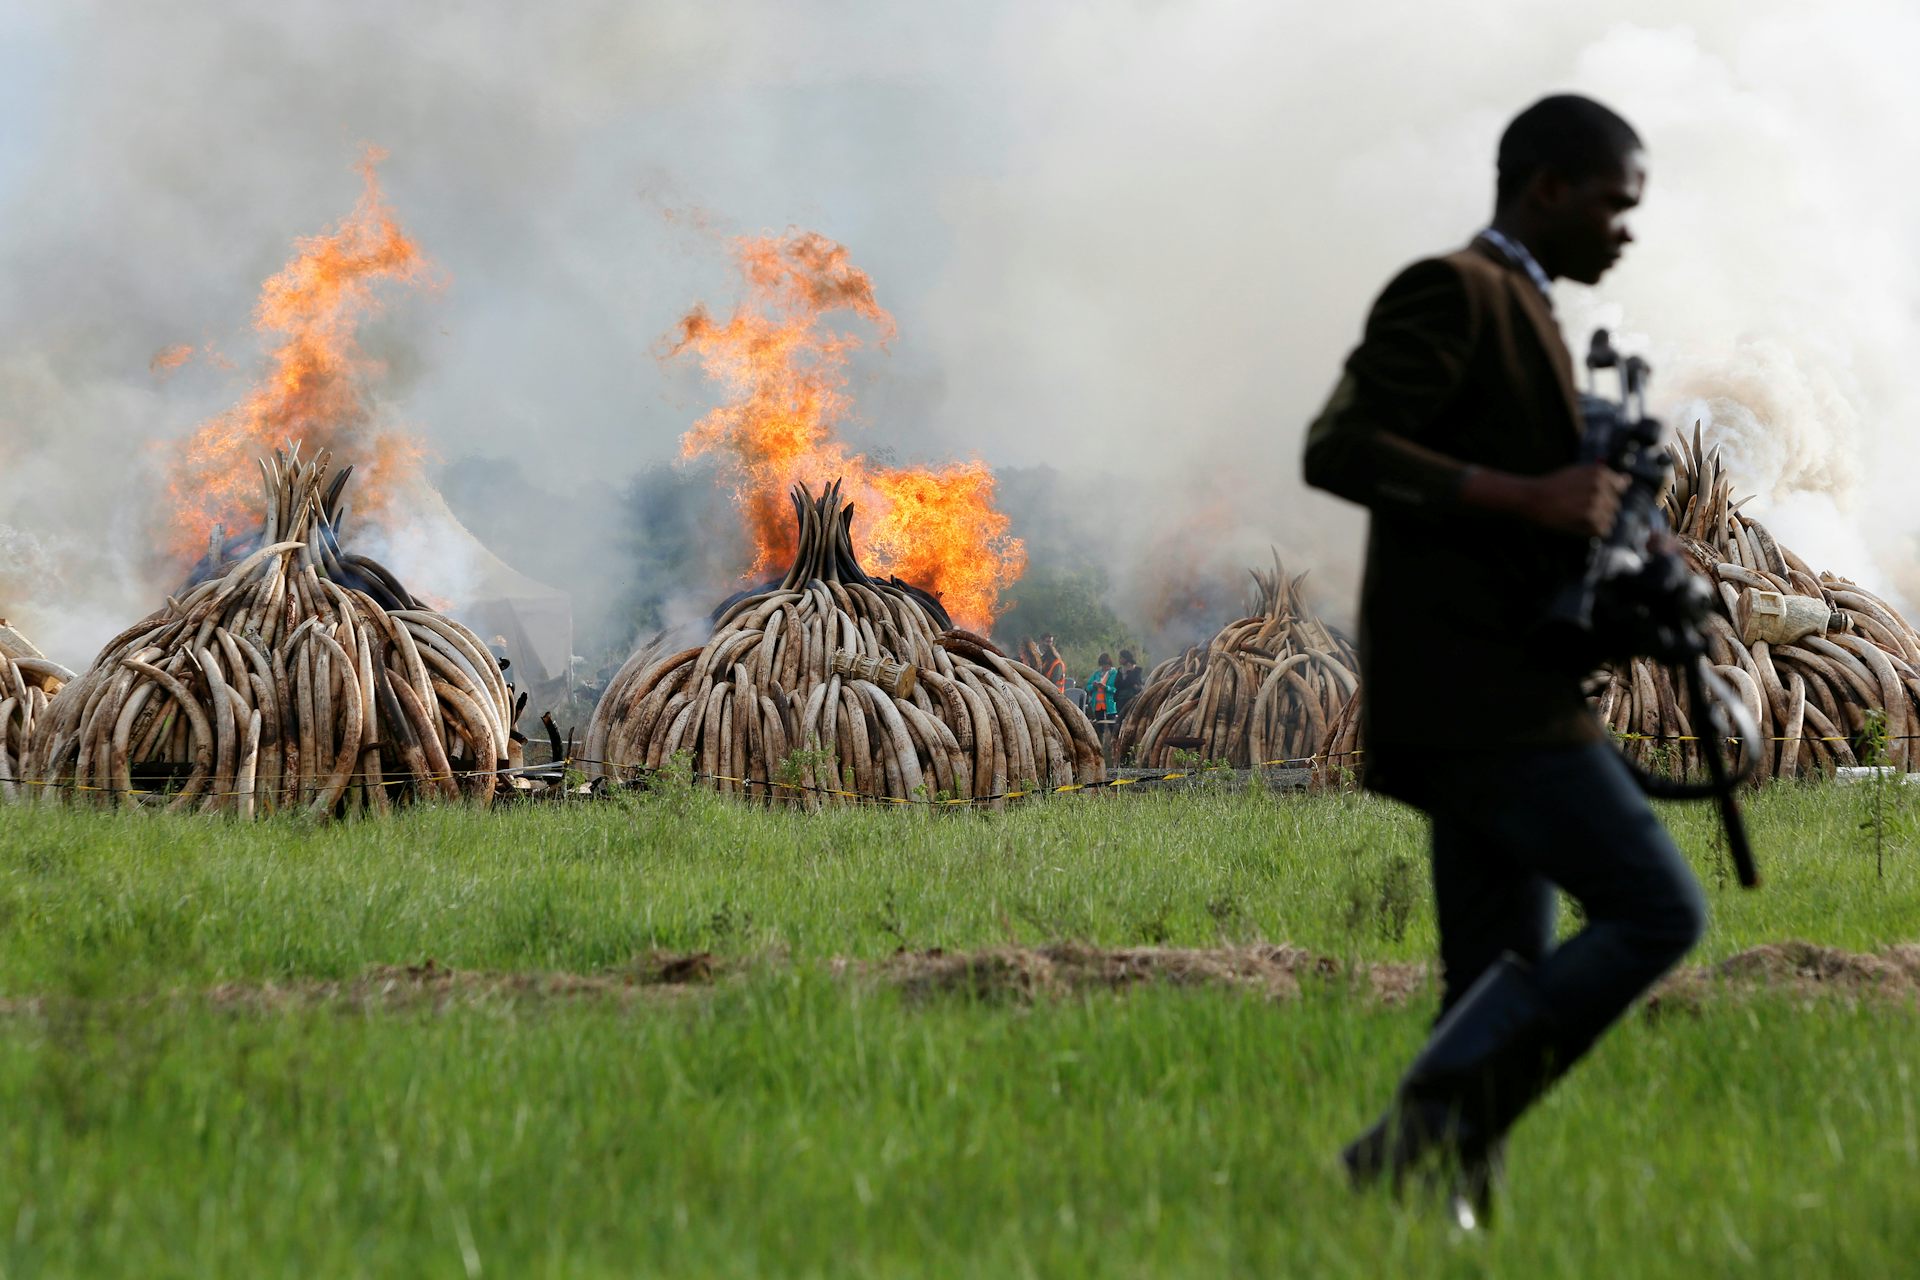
{"x": 202, "y": 1078}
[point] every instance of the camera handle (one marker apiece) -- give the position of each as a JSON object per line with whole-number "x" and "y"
{"x": 1731, "y": 819}
{"x": 1724, "y": 716}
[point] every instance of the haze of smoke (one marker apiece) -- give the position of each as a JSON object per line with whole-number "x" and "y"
{"x": 1132, "y": 243}
{"x": 1778, "y": 280}
{"x": 1185, "y": 241}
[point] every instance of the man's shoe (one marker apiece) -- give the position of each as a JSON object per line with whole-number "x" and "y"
{"x": 1368, "y": 1158}
{"x": 1470, "y": 1196}
{"x": 1464, "y": 1183}
{"x": 1485, "y": 1062}
{"x": 1396, "y": 1143}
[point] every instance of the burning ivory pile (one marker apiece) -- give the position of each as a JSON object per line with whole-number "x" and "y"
{"x": 830, "y": 680}
{"x": 1267, "y": 687}
{"x": 27, "y": 682}
{"x": 1811, "y": 654}
{"x": 292, "y": 673}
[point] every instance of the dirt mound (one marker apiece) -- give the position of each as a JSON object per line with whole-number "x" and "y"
{"x": 1279, "y": 971}
{"x": 1798, "y": 968}
{"x": 1276, "y": 971}
{"x": 1023, "y": 973}
{"x": 1893, "y": 970}
{"x": 436, "y": 985}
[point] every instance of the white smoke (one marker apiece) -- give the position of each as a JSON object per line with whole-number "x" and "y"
{"x": 1210, "y": 195}
{"x": 1133, "y": 241}
{"x": 1776, "y": 279}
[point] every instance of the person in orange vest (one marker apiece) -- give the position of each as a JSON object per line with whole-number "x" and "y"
{"x": 1103, "y": 701}
{"x": 1056, "y": 668}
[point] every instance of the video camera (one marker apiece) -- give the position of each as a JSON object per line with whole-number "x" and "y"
{"x": 1638, "y": 598}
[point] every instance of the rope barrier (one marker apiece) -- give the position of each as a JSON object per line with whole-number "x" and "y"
{"x": 358, "y": 779}
{"x": 1016, "y": 793}
{"x": 641, "y": 774}
{"x": 1298, "y": 762}
{"x": 637, "y": 774}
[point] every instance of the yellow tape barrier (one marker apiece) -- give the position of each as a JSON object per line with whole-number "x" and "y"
{"x": 1019, "y": 793}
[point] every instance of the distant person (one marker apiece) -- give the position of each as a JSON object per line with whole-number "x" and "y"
{"x": 1075, "y": 693}
{"x": 1129, "y": 684}
{"x": 1056, "y": 668}
{"x": 1103, "y": 698}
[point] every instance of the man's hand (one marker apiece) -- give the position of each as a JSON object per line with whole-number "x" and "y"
{"x": 1581, "y": 500}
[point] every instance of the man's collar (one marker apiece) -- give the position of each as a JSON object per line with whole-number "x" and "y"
{"x": 1517, "y": 254}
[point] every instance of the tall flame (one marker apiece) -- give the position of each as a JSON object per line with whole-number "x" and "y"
{"x": 784, "y": 372}
{"x": 314, "y": 390}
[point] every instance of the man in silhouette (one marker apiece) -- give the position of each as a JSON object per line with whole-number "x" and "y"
{"x": 1456, "y": 424}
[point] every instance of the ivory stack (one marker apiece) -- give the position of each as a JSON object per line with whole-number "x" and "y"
{"x": 1271, "y": 686}
{"x": 775, "y": 694}
{"x": 1811, "y": 695}
{"x": 291, "y": 674}
{"x": 28, "y": 682}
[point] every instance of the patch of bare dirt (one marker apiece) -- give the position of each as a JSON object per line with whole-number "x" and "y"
{"x": 654, "y": 976}
{"x": 1802, "y": 968}
{"x": 1027, "y": 972}
{"x": 1275, "y": 971}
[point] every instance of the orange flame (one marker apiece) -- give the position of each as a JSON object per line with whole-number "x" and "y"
{"x": 165, "y": 362}
{"x": 315, "y": 388}
{"x": 785, "y": 374}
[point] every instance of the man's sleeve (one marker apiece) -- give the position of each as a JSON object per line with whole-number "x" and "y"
{"x": 1371, "y": 443}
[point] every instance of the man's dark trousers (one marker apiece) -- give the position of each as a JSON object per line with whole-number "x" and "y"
{"x": 1508, "y": 827}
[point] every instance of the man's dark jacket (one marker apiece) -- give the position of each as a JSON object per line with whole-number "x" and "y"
{"x": 1461, "y": 364}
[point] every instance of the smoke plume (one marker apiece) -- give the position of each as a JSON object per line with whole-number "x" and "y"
{"x": 1131, "y": 242}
